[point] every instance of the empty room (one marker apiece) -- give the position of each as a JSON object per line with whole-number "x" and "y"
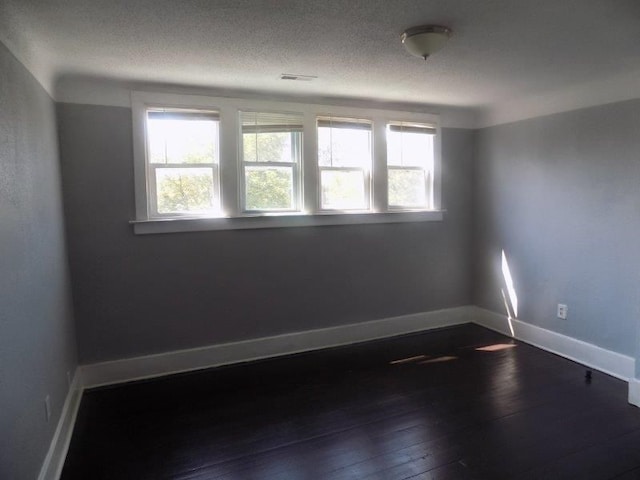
{"x": 295, "y": 239}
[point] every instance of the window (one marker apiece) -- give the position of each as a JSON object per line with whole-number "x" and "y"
{"x": 213, "y": 163}
{"x": 410, "y": 162}
{"x": 344, "y": 162}
{"x": 182, "y": 162}
{"x": 271, "y": 158}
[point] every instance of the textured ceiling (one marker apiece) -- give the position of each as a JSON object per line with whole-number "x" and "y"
{"x": 501, "y": 52}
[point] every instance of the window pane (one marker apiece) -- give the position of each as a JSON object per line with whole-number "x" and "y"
{"x": 177, "y": 140}
{"x": 344, "y": 147}
{"x": 409, "y": 149}
{"x": 270, "y": 147}
{"x": 343, "y": 190}
{"x": 269, "y": 188}
{"x": 407, "y": 188}
{"x": 185, "y": 190}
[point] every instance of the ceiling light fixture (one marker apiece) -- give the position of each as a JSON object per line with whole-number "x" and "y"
{"x": 425, "y": 40}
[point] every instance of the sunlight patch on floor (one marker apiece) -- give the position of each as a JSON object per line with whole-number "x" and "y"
{"x": 496, "y": 347}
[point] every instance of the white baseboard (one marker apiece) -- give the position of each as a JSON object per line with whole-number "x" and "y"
{"x": 149, "y": 366}
{"x": 612, "y": 363}
{"x": 634, "y": 392}
{"x": 54, "y": 461}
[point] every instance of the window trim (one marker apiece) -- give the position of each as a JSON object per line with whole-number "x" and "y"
{"x": 229, "y": 166}
{"x": 146, "y": 202}
{"x": 255, "y": 222}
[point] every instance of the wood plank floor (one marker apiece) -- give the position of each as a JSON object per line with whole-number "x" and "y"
{"x": 452, "y": 409}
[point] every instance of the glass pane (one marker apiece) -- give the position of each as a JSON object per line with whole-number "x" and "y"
{"x": 271, "y": 147}
{"x": 185, "y": 190}
{"x": 269, "y": 188}
{"x": 344, "y": 147}
{"x": 176, "y": 140}
{"x": 409, "y": 149}
{"x": 407, "y": 188}
{"x": 343, "y": 190}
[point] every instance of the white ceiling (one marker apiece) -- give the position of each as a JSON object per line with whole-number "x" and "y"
{"x": 503, "y": 53}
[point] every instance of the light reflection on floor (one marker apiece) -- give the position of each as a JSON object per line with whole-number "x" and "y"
{"x": 496, "y": 347}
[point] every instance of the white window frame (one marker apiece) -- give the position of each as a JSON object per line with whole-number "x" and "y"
{"x": 296, "y": 169}
{"x": 429, "y": 174}
{"x": 366, "y": 173}
{"x": 151, "y": 168}
{"x": 230, "y": 167}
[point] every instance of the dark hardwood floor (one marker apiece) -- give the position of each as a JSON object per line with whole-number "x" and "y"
{"x": 456, "y": 410}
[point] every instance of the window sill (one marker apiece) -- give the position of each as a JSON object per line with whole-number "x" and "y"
{"x": 175, "y": 225}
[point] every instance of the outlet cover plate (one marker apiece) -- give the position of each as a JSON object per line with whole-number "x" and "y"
{"x": 563, "y": 311}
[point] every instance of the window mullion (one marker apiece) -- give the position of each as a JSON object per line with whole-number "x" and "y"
{"x": 379, "y": 176}
{"x": 310, "y": 173}
{"x": 435, "y": 199}
{"x": 230, "y": 174}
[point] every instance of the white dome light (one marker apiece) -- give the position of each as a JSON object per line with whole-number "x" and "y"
{"x": 425, "y": 40}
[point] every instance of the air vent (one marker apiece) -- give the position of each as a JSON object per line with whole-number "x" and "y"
{"x": 299, "y": 78}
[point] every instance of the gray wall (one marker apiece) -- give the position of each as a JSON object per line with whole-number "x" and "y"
{"x": 561, "y": 195}
{"x": 37, "y": 344}
{"x": 137, "y": 295}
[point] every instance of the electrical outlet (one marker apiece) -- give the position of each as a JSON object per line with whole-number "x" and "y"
{"x": 47, "y": 407}
{"x": 563, "y": 311}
